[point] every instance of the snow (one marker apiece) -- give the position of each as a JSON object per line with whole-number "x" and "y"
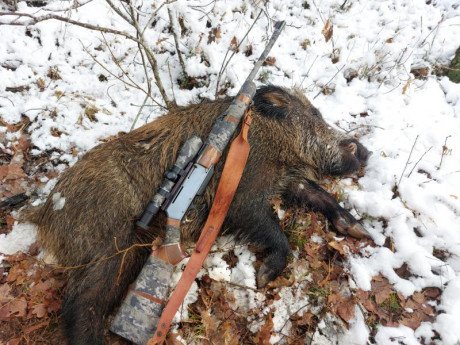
{"x": 412, "y": 125}
{"x": 18, "y": 240}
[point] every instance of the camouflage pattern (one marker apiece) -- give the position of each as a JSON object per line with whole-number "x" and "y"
{"x": 138, "y": 316}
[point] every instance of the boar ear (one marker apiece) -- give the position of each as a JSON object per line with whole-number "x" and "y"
{"x": 272, "y": 101}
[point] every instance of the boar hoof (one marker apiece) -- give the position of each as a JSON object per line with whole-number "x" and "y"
{"x": 350, "y": 228}
{"x": 265, "y": 276}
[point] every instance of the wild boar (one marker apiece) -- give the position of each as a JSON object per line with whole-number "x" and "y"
{"x": 92, "y": 210}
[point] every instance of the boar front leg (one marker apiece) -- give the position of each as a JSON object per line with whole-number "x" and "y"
{"x": 252, "y": 220}
{"x": 300, "y": 191}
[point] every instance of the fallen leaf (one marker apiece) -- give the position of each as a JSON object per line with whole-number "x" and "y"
{"x": 39, "y": 310}
{"x": 406, "y": 86}
{"x": 269, "y": 61}
{"x": 233, "y": 44}
{"x": 18, "y": 307}
{"x": 209, "y": 322}
{"x": 327, "y": 30}
{"x": 263, "y": 337}
{"x": 346, "y": 309}
{"x": 339, "y": 246}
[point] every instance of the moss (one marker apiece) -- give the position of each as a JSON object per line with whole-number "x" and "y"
{"x": 454, "y": 71}
{"x": 391, "y": 304}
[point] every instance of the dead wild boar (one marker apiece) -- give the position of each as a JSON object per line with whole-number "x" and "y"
{"x": 91, "y": 212}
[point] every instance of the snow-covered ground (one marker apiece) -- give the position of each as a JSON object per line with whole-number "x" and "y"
{"x": 411, "y": 188}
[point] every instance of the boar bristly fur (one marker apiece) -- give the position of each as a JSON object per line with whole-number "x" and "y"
{"x": 90, "y": 214}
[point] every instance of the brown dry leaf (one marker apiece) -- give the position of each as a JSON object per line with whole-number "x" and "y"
{"x": 269, "y": 61}
{"x": 41, "y": 287}
{"x": 263, "y": 337}
{"x": 41, "y": 84}
{"x": 214, "y": 35}
{"x": 346, "y": 309}
{"x": 432, "y": 292}
{"x": 233, "y": 44}
{"x": 15, "y": 273}
{"x": 18, "y": 307}
{"x": 405, "y": 87}
{"x": 412, "y": 321}
{"x": 227, "y": 334}
{"x": 339, "y": 246}
{"x": 39, "y": 310}
{"x": 327, "y": 30}
{"x": 305, "y": 319}
{"x": 209, "y": 322}
{"x": 381, "y": 289}
{"x": 419, "y": 297}
{"x": 364, "y": 298}
{"x": 5, "y": 290}
{"x": 281, "y": 282}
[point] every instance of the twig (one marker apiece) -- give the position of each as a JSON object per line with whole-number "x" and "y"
{"x": 49, "y": 16}
{"x": 117, "y": 10}
{"x": 407, "y": 162}
{"x": 306, "y": 75}
{"x": 136, "y": 86}
{"x": 341, "y": 68}
{"x": 224, "y": 67}
{"x": 444, "y": 151}
{"x": 152, "y": 17}
{"x": 139, "y": 113}
{"x": 172, "y": 84}
{"x": 176, "y": 41}
{"x": 419, "y": 160}
{"x": 150, "y": 57}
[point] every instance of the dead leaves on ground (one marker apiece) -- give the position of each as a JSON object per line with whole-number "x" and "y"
{"x": 29, "y": 300}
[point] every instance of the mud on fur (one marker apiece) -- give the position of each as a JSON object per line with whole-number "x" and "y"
{"x": 102, "y": 195}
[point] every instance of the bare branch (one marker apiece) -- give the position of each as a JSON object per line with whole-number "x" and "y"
{"x": 117, "y": 10}
{"x": 150, "y": 56}
{"x": 225, "y": 64}
{"x": 176, "y": 41}
{"x": 407, "y": 162}
{"x": 35, "y": 20}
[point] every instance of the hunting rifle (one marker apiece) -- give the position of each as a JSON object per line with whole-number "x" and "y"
{"x": 142, "y": 307}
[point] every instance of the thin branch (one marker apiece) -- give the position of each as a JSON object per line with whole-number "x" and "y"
{"x": 139, "y": 112}
{"x": 136, "y": 86}
{"x": 117, "y": 10}
{"x": 419, "y": 160}
{"x": 444, "y": 151}
{"x": 407, "y": 162}
{"x": 224, "y": 67}
{"x": 341, "y": 68}
{"x": 35, "y": 20}
{"x": 176, "y": 41}
{"x": 150, "y": 57}
{"x": 152, "y": 17}
{"x": 172, "y": 84}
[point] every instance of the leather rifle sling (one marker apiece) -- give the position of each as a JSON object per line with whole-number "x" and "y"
{"x": 230, "y": 178}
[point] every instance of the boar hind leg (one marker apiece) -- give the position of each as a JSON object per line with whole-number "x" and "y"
{"x": 312, "y": 195}
{"x": 92, "y": 293}
{"x": 258, "y": 225}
